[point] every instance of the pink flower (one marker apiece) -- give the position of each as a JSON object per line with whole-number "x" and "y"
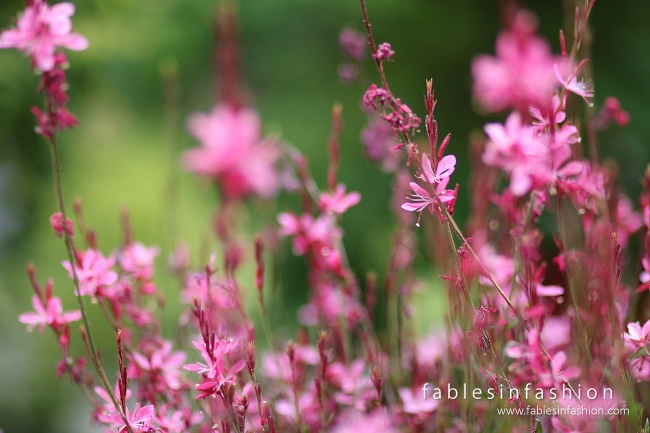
{"x": 214, "y": 371}
{"x": 522, "y": 72}
{"x": 355, "y": 421}
{"x": 137, "y": 260}
{"x": 338, "y": 201}
{"x": 232, "y": 153}
{"x": 308, "y": 232}
{"x": 415, "y": 404}
{"x": 638, "y": 335}
{"x": 93, "y": 271}
{"x": 581, "y": 88}
{"x": 444, "y": 168}
{"x": 104, "y": 411}
{"x": 556, "y": 331}
{"x": 612, "y": 111}
{"x": 517, "y": 149}
{"x": 162, "y": 361}
{"x": 353, "y": 43}
{"x": 41, "y": 28}
{"x": 421, "y": 199}
{"x": 348, "y": 377}
{"x": 378, "y": 141}
{"x": 559, "y": 374}
{"x": 50, "y": 314}
{"x": 140, "y": 420}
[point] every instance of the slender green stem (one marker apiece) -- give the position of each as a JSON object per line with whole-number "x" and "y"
{"x": 56, "y": 168}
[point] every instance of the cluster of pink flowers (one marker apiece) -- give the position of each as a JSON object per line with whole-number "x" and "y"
{"x": 528, "y": 306}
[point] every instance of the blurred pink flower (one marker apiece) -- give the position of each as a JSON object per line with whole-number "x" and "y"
{"x": 40, "y": 29}
{"x": 232, "y": 152}
{"x": 379, "y": 141}
{"x": 164, "y": 362}
{"x": 522, "y": 72}
{"x": 415, "y": 404}
{"x": 353, "y": 43}
{"x": 355, "y": 422}
{"x": 137, "y": 260}
{"x": 58, "y": 225}
{"x": 337, "y": 202}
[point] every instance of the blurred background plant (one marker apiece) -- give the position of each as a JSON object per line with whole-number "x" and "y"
{"x": 150, "y": 64}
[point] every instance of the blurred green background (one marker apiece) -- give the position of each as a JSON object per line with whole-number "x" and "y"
{"x": 125, "y": 153}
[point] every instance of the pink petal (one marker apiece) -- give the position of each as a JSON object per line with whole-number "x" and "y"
{"x": 74, "y": 42}
{"x": 446, "y": 166}
{"x": 549, "y": 290}
{"x": 427, "y": 169}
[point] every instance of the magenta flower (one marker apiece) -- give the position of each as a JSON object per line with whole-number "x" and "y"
{"x": 137, "y": 260}
{"x": 232, "y": 152}
{"x": 93, "y": 271}
{"x": 337, "y": 202}
{"x": 50, "y": 314}
{"x": 41, "y": 28}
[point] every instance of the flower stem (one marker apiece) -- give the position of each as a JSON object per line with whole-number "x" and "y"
{"x": 56, "y": 169}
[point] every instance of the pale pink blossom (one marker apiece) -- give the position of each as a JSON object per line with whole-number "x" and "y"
{"x": 93, "y": 270}
{"x": 232, "y": 152}
{"x": 337, "y": 202}
{"x": 581, "y": 88}
{"x": 414, "y": 403}
{"x": 637, "y": 334}
{"x": 50, "y": 314}
{"x": 40, "y": 29}
{"x": 137, "y": 260}
{"x": 556, "y": 331}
